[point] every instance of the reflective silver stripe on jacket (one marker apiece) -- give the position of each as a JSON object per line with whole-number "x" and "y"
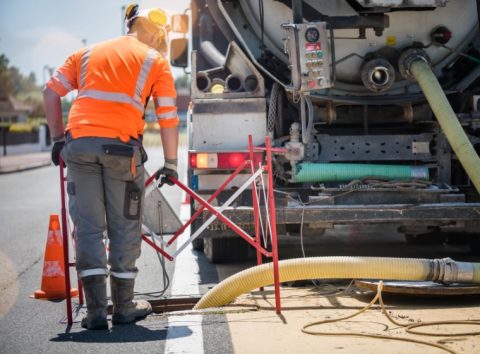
{"x": 152, "y": 54}
{"x": 167, "y": 115}
{"x": 111, "y": 97}
{"x": 63, "y": 80}
{"x": 119, "y": 97}
{"x": 165, "y": 101}
{"x": 83, "y": 66}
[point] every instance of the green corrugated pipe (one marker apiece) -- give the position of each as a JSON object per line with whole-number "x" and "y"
{"x": 447, "y": 119}
{"x": 438, "y": 270}
{"x": 330, "y": 172}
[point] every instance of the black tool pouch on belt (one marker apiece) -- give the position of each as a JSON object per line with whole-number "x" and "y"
{"x": 144, "y": 154}
{"x": 118, "y": 150}
{"x": 133, "y": 197}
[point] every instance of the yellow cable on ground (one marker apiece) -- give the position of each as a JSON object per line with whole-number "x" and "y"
{"x": 335, "y": 268}
{"x": 408, "y": 327}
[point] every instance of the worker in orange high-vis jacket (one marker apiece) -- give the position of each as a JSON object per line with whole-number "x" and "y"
{"x": 102, "y": 147}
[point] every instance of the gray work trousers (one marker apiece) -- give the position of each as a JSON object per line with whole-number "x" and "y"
{"x": 104, "y": 195}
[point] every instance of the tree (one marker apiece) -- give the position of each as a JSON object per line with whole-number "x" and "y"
{"x": 6, "y": 83}
{"x": 25, "y": 88}
{"x": 13, "y": 81}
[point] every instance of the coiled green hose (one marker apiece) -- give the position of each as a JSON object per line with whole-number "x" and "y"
{"x": 331, "y": 172}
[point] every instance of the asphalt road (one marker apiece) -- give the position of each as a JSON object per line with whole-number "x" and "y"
{"x": 34, "y": 326}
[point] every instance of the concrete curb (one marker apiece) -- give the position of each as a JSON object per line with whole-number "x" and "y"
{"x": 23, "y": 162}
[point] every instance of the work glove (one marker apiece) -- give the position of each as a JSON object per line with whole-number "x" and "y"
{"x": 169, "y": 169}
{"x": 57, "y": 147}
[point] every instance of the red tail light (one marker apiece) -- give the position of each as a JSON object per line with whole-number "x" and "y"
{"x": 222, "y": 160}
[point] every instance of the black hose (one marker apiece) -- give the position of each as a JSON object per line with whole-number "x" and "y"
{"x": 207, "y": 48}
{"x": 234, "y": 83}
{"x": 478, "y": 13}
{"x": 203, "y": 81}
{"x": 250, "y": 83}
{"x": 297, "y": 10}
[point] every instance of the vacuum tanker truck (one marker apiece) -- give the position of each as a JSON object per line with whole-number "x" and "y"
{"x": 376, "y": 103}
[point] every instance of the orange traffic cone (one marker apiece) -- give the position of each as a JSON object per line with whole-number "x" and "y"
{"x": 53, "y": 277}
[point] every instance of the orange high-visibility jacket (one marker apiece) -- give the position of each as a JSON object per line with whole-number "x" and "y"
{"x": 114, "y": 79}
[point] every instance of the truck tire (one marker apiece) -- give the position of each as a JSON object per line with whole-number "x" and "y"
{"x": 308, "y": 230}
{"x": 197, "y": 244}
{"x": 225, "y": 249}
{"x": 474, "y": 244}
{"x": 433, "y": 238}
{"x": 458, "y": 238}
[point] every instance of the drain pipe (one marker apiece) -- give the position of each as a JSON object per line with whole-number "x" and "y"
{"x": 414, "y": 65}
{"x": 207, "y": 48}
{"x": 380, "y": 268}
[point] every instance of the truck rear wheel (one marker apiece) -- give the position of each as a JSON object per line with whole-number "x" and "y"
{"x": 225, "y": 249}
{"x": 433, "y": 238}
{"x": 197, "y": 244}
{"x": 475, "y": 245}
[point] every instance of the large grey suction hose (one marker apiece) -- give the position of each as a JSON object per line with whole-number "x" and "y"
{"x": 203, "y": 81}
{"x": 250, "y": 83}
{"x": 418, "y": 67}
{"x": 234, "y": 83}
{"x": 306, "y": 127}
{"x": 207, "y": 48}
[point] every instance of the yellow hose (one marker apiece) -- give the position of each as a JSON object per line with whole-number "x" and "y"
{"x": 476, "y": 273}
{"x": 329, "y": 268}
{"x": 447, "y": 119}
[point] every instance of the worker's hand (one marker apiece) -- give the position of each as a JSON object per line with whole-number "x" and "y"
{"x": 57, "y": 147}
{"x": 168, "y": 170}
{"x": 163, "y": 174}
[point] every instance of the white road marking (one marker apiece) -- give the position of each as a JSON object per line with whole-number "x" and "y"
{"x": 185, "y": 332}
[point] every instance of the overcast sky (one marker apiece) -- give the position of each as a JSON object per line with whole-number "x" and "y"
{"x": 35, "y": 33}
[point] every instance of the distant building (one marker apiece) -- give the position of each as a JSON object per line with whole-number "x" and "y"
{"x": 12, "y": 110}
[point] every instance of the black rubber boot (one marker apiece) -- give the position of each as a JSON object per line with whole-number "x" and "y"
{"x": 95, "y": 289}
{"x": 125, "y": 310}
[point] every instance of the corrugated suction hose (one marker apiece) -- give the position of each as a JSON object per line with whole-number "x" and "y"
{"x": 444, "y": 270}
{"x": 461, "y": 145}
{"x": 329, "y": 172}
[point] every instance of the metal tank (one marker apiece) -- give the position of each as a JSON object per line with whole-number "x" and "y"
{"x": 335, "y": 84}
{"x": 412, "y": 22}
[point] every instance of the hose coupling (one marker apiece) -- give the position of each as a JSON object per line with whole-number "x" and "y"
{"x": 447, "y": 271}
{"x": 378, "y": 75}
{"x": 407, "y": 58}
{"x": 458, "y": 272}
{"x": 296, "y": 149}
